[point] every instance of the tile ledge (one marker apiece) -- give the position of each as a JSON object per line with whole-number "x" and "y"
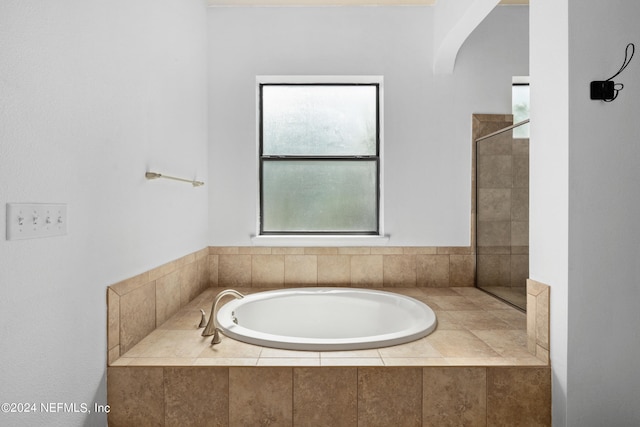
{"x": 320, "y": 241}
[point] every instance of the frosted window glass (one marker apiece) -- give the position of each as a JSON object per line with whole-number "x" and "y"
{"x": 520, "y": 109}
{"x": 319, "y": 196}
{"x": 319, "y": 120}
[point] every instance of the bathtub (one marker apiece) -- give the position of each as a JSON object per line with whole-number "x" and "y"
{"x": 325, "y": 319}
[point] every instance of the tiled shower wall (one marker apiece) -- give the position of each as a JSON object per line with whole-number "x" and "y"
{"x": 503, "y": 207}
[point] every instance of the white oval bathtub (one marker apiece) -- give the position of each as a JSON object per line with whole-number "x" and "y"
{"x": 326, "y": 319}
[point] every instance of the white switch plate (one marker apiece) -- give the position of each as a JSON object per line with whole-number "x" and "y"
{"x": 33, "y": 220}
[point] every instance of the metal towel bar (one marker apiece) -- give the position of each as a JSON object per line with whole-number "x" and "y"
{"x": 155, "y": 175}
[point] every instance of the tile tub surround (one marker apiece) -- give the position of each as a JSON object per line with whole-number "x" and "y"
{"x": 138, "y": 305}
{"x": 331, "y": 396}
{"x": 475, "y": 369}
{"x": 473, "y": 329}
{"x": 276, "y": 267}
{"x": 538, "y": 319}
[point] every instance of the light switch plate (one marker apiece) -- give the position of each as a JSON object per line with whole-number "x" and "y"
{"x": 34, "y": 220}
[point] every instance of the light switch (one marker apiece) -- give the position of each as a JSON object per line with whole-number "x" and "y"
{"x": 33, "y": 220}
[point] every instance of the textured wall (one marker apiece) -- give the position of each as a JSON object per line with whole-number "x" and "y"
{"x": 92, "y": 95}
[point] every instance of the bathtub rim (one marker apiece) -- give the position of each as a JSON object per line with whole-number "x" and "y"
{"x": 224, "y": 318}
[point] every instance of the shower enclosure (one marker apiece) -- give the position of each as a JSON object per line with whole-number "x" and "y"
{"x": 502, "y": 214}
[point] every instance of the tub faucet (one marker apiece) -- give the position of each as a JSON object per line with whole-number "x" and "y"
{"x": 212, "y": 326}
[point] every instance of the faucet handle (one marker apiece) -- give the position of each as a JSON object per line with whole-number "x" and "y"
{"x": 203, "y": 319}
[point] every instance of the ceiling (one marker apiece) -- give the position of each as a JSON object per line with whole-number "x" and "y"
{"x": 335, "y": 2}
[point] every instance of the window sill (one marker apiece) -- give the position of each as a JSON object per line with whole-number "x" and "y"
{"x": 328, "y": 240}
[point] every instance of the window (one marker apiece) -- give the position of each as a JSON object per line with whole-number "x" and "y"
{"x": 520, "y": 105}
{"x": 319, "y": 158}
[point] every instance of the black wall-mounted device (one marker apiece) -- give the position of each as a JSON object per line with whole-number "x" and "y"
{"x": 603, "y": 90}
{"x": 607, "y": 90}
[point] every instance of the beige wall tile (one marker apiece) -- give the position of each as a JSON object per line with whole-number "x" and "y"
{"x": 300, "y": 270}
{"x": 366, "y": 271}
{"x": 461, "y": 270}
{"x": 213, "y": 269}
{"x": 234, "y": 270}
{"x": 260, "y": 396}
{"x": 267, "y": 271}
{"x": 479, "y": 320}
{"x": 519, "y": 270}
{"x": 187, "y": 259}
{"x": 531, "y": 323}
{"x": 113, "y": 354}
{"x": 223, "y": 250}
{"x": 137, "y": 315}
{"x": 456, "y": 250}
{"x": 494, "y": 233}
{"x": 494, "y": 204}
{"x": 390, "y": 396}
{"x": 359, "y": 250}
{"x": 420, "y": 250}
{"x": 521, "y": 147}
{"x": 320, "y": 251}
{"x": 254, "y": 250}
{"x": 459, "y": 343}
{"x": 163, "y": 270}
{"x": 418, "y": 348}
{"x": 189, "y": 286}
{"x": 325, "y": 397}
{"x": 520, "y": 250}
{"x": 542, "y": 319}
{"x": 202, "y": 277}
{"x": 135, "y": 396}
{"x": 432, "y": 270}
{"x": 113, "y": 319}
{"x": 521, "y": 171}
{"x": 454, "y": 396}
{"x": 202, "y": 253}
{"x": 535, "y": 288}
{"x": 287, "y": 251}
{"x": 387, "y": 250}
{"x": 494, "y": 171}
{"x": 494, "y": 250}
{"x": 494, "y": 270}
{"x": 519, "y": 396}
{"x": 519, "y": 233}
{"x": 131, "y": 284}
{"x": 196, "y": 396}
{"x": 498, "y": 144}
{"x": 399, "y": 270}
{"x": 520, "y": 204}
{"x": 167, "y": 296}
{"x": 334, "y": 270}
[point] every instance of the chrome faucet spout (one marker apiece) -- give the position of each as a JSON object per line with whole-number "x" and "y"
{"x": 212, "y": 326}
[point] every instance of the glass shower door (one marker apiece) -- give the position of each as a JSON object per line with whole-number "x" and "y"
{"x": 502, "y": 220}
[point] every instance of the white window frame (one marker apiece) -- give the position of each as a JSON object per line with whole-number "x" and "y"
{"x": 325, "y": 239}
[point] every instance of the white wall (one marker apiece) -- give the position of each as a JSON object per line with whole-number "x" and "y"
{"x": 427, "y": 123}
{"x": 548, "y": 177}
{"x": 585, "y": 239}
{"x": 604, "y": 210}
{"x": 92, "y": 94}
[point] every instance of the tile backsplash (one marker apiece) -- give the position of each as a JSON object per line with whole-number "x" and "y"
{"x": 358, "y": 266}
